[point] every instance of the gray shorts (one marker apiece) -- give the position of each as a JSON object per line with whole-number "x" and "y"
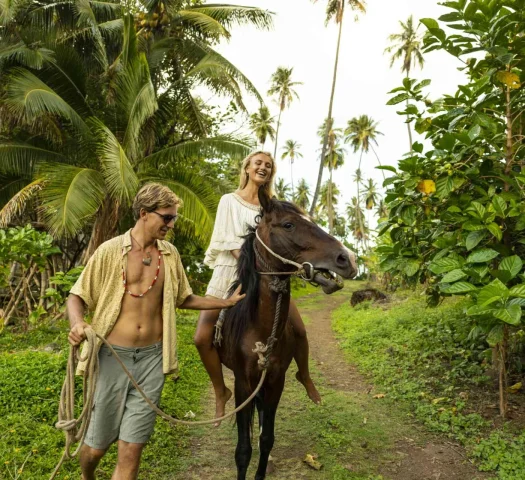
{"x": 119, "y": 411}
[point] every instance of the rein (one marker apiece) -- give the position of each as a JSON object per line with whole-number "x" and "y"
{"x": 300, "y": 272}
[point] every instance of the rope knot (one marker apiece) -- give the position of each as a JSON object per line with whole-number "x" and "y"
{"x": 261, "y": 349}
{"x": 279, "y": 286}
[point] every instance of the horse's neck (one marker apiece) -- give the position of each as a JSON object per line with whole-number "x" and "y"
{"x": 270, "y": 289}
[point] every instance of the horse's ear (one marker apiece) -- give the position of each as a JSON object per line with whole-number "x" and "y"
{"x": 265, "y": 200}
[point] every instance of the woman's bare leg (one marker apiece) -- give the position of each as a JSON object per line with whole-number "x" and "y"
{"x": 302, "y": 352}
{"x": 210, "y": 358}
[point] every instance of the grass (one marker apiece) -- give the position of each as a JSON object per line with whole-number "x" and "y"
{"x": 29, "y": 391}
{"x": 424, "y": 359}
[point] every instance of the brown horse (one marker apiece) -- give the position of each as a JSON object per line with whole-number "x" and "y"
{"x": 285, "y": 230}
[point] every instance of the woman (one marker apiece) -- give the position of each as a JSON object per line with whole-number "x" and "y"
{"x": 235, "y": 213}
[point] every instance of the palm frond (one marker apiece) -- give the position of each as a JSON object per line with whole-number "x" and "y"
{"x": 120, "y": 178}
{"x": 16, "y": 205}
{"x": 203, "y": 23}
{"x": 199, "y": 199}
{"x": 24, "y": 55}
{"x": 28, "y": 97}
{"x": 20, "y": 159}
{"x": 136, "y": 97}
{"x": 204, "y": 148}
{"x": 71, "y": 197}
{"x": 231, "y": 15}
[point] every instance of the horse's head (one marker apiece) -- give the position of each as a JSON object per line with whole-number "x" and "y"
{"x": 291, "y": 234}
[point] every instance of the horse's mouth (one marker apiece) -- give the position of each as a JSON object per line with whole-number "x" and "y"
{"x": 330, "y": 281}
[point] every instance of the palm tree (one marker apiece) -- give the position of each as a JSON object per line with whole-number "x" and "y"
{"x": 335, "y": 11}
{"x": 282, "y": 87}
{"x": 361, "y": 132}
{"x": 356, "y": 222}
{"x": 382, "y": 209}
{"x": 370, "y": 195}
{"x": 91, "y": 125}
{"x": 328, "y": 199}
{"x": 302, "y": 194}
{"x": 282, "y": 190}
{"x": 406, "y": 46}
{"x": 291, "y": 149}
{"x": 261, "y": 124}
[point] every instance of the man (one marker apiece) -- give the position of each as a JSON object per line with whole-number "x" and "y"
{"x": 133, "y": 284}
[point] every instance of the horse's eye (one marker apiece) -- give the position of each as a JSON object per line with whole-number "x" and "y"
{"x": 288, "y": 226}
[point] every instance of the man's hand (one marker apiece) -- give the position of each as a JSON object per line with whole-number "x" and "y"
{"x": 235, "y": 297}
{"x": 77, "y": 334}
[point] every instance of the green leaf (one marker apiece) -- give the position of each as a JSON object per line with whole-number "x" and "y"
{"x": 510, "y": 314}
{"x": 479, "y": 310}
{"x": 477, "y": 210}
{"x": 482, "y": 255}
{"x": 411, "y": 267}
{"x": 387, "y": 167}
{"x": 429, "y": 23}
{"x": 443, "y": 265}
{"x": 513, "y": 265}
{"x": 495, "y": 230}
{"x": 492, "y": 292}
{"x": 444, "y": 186}
{"x": 495, "y": 336}
{"x": 518, "y": 291}
{"x": 473, "y": 225}
{"x": 408, "y": 215}
{"x": 499, "y": 205}
{"x": 473, "y": 238}
{"x": 458, "y": 287}
{"x": 453, "y": 276}
{"x": 398, "y": 99}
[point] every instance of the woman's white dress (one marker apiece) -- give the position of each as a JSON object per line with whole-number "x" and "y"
{"x": 234, "y": 216}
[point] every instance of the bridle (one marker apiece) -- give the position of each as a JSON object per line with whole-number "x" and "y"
{"x": 301, "y": 271}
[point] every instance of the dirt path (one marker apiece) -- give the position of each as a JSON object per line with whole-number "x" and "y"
{"x": 352, "y": 434}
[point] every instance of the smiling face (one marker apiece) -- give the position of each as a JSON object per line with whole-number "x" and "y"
{"x": 154, "y": 222}
{"x": 259, "y": 170}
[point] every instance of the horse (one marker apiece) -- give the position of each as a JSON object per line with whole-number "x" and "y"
{"x": 284, "y": 239}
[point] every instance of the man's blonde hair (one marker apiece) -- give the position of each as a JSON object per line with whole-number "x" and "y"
{"x": 243, "y": 177}
{"x": 153, "y": 196}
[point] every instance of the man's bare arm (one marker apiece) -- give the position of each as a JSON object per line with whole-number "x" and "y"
{"x": 75, "y": 313}
{"x": 194, "y": 302}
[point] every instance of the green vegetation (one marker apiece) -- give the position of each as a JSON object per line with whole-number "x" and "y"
{"x": 424, "y": 358}
{"x": 33, "y": 368}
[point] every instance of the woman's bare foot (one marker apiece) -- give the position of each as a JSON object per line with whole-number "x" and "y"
{"x": 220, "y": 404}
{"x": 311, "y": 391}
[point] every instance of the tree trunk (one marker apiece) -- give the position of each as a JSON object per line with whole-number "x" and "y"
{"x": 277, "y": 135}
{"x": 330, "y": 203}
{"x": 328, "y": 124}
{"x": 408, "y": 124}
{"x": 105, "y": 227}
{"x": 502, "y": 350}
{"x": 378, "y": 161}
{"x": 291, "y": 177}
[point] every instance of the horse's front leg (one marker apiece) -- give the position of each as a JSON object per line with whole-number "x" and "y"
{"x": 243, "y": 452}
{"x": 270, "y": 402}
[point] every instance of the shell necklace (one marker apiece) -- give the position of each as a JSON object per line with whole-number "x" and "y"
{"x": 146, "y": 261}
{"x": 125, "y": 282}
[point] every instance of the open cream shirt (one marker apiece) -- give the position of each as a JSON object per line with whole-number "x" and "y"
{"x": 101, "y": 287}
{"x": 234, "y": 216}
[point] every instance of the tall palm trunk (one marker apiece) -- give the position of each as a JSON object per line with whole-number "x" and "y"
{"x": 291, "y": 175}
{"x": 330, "y": 203}
{"x": 105, "y": 227}
{"x": 358, "y": 206}
{"x": 277, "y": 134}
{"x": 328, "y": 122}
{"x": 378, "y": 161}
{"x": 408, "y": 124}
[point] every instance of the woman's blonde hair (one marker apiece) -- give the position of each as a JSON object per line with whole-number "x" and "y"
{"x": 153, "y": 196}
{"x": 243, "y": 177}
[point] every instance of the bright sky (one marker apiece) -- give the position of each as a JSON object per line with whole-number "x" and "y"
{"x": 300, "y": 40}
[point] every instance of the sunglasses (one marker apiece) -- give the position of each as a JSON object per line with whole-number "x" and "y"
{"x": 167, "y": 219}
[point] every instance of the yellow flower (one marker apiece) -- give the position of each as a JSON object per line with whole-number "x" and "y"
{"x": 426, "y": 187}
{"x": 508, "y": 78}
{"x": 17, "y": 449}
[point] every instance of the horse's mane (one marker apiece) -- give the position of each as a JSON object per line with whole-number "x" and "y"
{"x": 240, "y": 317}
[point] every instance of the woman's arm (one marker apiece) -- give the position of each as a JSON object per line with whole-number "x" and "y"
{"x": 236, "y": 253}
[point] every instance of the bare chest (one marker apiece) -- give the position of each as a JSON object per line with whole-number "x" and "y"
{"x": 140, "y": 278}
